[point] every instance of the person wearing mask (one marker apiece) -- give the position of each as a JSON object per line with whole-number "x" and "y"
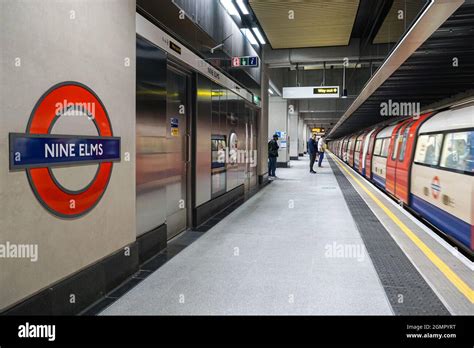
{"x": 321, "y": 148}
{"x": 272, "y": 156}
{"x": 312, "y": 149}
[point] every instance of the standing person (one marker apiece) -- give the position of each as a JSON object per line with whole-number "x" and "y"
{"x": 272, "y": 156}
{"x": 312, "y": 149}
{"x": 321, "y": 146}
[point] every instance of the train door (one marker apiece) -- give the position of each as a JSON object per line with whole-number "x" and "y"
{"x": 363, "y": 153}
{"x": 177, "y": 149}
{"x": 392, "y": 158}
{"x": 351, "y": 149}
{"x": 358, "y": 152}
{"x": 369, "y": 156}
{"x": 405, "y": 158}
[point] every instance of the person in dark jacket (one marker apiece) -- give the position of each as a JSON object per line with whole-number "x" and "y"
{"x": 272, "y": 156}
{"x": 312, "y": 150}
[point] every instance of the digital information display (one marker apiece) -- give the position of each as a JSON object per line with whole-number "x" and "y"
{"x": 326, "y": 90}
{"x": 244, "y": 62}
{"x": 311, "y": 92}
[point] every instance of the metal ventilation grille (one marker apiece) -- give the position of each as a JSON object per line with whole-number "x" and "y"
{"x": 396, "y": 22}
{"x": 316, "y": 23}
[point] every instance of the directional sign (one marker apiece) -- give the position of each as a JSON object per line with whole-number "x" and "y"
{"x": 310, "y": 92}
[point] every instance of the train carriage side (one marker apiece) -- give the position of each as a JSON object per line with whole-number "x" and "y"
{"x": 442, "y": 174}
{"x": 379, "y": 157}
{"x": 351, "y": 148}
{"x": 345, "y": 143}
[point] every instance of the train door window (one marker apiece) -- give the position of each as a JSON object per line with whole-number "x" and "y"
{"x": 398, "y": 140}
{"x": 403, "y": 149}
{"x": 458, "y": 151}
{"x": 385, "y": 145}
{"x": 358, "y": 145}
{"x": 378, "y": 147}
{"x": 428, "y": 149}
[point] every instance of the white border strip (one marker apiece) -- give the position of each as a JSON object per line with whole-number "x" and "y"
{"x": 157, "y": 36}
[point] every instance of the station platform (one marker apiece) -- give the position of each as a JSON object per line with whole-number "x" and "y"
{"x": 307, "y": 244}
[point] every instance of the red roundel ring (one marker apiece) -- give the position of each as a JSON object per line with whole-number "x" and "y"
{"x": 49, "y": 192}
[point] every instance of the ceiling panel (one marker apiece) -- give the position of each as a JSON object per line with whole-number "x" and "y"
{"x": 316, "y": 23}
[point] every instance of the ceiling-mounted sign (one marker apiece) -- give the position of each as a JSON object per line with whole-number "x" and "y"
{"x": 238, "y": 62}
{"x": 256, "y": 100}
{"x": 37, "y": 150}
{"x": 327, "y": 91}
{"x": 311, "y": 92}
{"x": 317, "y": 130}
{"x": 175, "y": 47}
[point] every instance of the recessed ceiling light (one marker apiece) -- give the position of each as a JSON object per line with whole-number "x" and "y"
{"x": 230, "y": 8}
{"x": 242, "y": 7}
{"x": 249, "y": 35}
{"x": 258, "y": 35}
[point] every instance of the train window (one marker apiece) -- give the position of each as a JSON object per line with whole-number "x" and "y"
{"x": 404, "y": 142}
{"x": 386, "y": 144}
{"x": 458, "y": 151}
{"x": 378, "y": 147}
{"x": 358, "y": 145}
{"x": 428, "y": 149}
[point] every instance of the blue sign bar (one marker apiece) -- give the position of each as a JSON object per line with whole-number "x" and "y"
{"x": 30, "y": 151}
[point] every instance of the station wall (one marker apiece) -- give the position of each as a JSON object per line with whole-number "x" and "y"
{"x": 46, "y": 43}
{"x": 278, "y": 122}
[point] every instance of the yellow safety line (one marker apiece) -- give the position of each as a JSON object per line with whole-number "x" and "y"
{"x": 444, "y": 268}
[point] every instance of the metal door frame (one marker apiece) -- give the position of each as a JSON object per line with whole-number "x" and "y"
{"x": 179, "y": 69}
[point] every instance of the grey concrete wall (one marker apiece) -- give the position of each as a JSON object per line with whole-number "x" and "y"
{"x": 262, "y": 126}
{"x": 55, "y": 41}
{"x": 278, "y": 121}
{"x": 293, "y": 119}
{"x": 301, "y": 136}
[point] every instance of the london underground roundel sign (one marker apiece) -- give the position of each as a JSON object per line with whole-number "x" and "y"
{"x": 37, "y": 150}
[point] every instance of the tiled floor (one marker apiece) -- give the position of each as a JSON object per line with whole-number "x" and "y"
{"x": 293, "y": 248}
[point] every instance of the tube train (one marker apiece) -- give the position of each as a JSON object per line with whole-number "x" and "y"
{"x": 426, "y": 163}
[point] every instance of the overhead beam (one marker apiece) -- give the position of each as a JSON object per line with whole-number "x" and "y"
{"x": 432, "y": 17}
{"x": 285, "y": 58}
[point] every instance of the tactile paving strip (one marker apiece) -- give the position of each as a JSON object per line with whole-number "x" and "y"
{"x": 407, "y": 291}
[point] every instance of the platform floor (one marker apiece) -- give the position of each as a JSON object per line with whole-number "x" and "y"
{"x": 293, "y": 248}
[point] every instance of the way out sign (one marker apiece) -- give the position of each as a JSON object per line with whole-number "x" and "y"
{"x": 37, "y": 150}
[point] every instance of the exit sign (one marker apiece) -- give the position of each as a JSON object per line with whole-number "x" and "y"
{"x": 238, "y": 62}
